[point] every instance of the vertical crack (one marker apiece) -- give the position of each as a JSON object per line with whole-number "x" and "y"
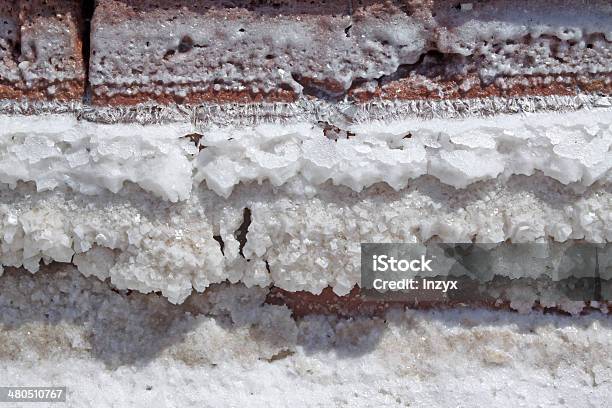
{"x": 221, "y": 243}
{"x": 241, "y": 232}
{"x": 347, "y": 31}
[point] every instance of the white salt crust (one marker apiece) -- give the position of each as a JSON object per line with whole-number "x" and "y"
{"x": 227, "y": 348}
{"x": 573, "y": 148}
{"x": 298, "y": 238}
{"x": 60, "y": 151}
{"x": 194, "y": 49}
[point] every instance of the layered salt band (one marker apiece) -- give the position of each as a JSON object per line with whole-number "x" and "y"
{"x": 60, "y": 151}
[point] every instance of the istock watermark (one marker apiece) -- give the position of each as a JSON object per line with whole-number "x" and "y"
{"x": 383, "y": 263}
{"x": 465, "y": 272}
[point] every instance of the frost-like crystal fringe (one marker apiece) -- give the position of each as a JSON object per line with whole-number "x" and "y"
{"x": 59, "y": 150}
{"x": 340, "y": 114}
{"x": 293, "y": 241}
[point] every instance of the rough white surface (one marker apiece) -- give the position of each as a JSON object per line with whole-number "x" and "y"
{"x": 57, "y": 150}
{"x": 569, "y": 147}
{"x": 309, "y": 241}
{"x": 225, "y": 348}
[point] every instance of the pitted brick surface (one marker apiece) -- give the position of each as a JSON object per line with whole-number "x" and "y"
{"x": 243, "y": 51}
{"x": 227, "y": 51}
{"x": 41, "y": 50}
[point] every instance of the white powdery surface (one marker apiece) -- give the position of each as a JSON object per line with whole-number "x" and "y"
{"x": 226, "y": 348}
{"x": 57, "y": 150}
{"x": 295, "y": 241}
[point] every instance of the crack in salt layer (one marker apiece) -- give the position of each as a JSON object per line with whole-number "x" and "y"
{"x": 57, "y": 151}
{"x": 243, "y": 230}
{"x": 219, "y": 239}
